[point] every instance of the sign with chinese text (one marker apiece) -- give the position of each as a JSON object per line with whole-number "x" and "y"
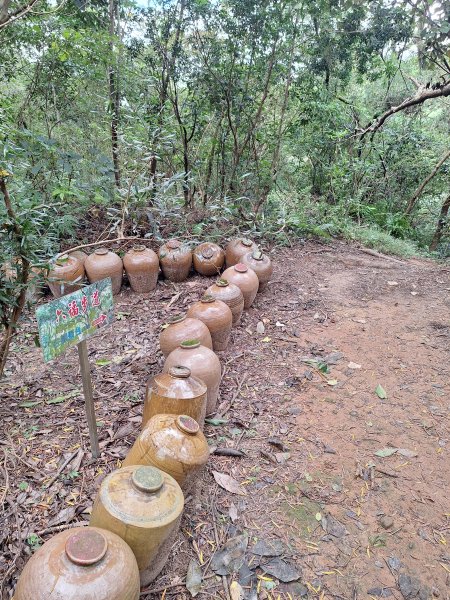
{"x": 69, "y": 320}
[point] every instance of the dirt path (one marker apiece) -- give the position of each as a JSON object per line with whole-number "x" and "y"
{"x": 351, "y": 488}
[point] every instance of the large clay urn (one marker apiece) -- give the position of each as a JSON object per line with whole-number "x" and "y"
{"x": 208, "y": 259}
{"x": 173, "y": 443}
{"x": 237, "y": 248}
{"x": 261, "y": 264}
{"x": 231, "y": 295}
{"x": 82, "y": 256}
{"x": 177, "y": 393}
{"x": 80, "y": 564}
{"x": 179, "y": 328}
{"x": 176, "y": 260}
{"x": 142, "y": 267}
{"x": 66, "y": 275}
{"x": 143, "y": 506}
{"x": 217, "y": 316}
{"x": 101, "y": 264}
{"x": 246, "y": 279}
{"x": 203, "y": 363}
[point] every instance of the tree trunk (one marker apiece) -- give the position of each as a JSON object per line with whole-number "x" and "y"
{"x": 440, "y": 225}
{"x": 417, "y": 193}
{"x": 114, "y": 93}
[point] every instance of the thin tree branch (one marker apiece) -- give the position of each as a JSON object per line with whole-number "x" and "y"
{"x": 412, "y": 201}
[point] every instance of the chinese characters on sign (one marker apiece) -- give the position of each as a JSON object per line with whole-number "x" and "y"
{"x": 73, "y": 318}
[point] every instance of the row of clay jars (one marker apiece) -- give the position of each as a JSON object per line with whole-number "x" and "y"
{"x": 203, "y": 364}
{"x": 217, "y": 316}
{"x": 176, "y": 260}
{"x": 230, "y": 294}
{"x": 142, "y": 267}
{"x": 208, "y": 259}
{"x": 143, "y": 506}
{"x": 173, "y": 443}
{"x": 176, "y": 392}
{"x": 81, "y": 564}
{"x": 180, "y": 328}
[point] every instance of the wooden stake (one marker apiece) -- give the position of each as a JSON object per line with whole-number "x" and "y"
{"x": 88, "y": 397}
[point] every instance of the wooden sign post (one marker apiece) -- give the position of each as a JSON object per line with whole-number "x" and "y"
{"x": 69, "y": 321}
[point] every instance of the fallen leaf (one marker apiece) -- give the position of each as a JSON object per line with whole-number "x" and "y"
{"x": 267, "y": 339}
{"x": 194, "y": 578}
{"x": 228, "y": 483}
{"x": 332, "y": 382}
{"x": 414, "y": 293}
{"x": 318, "y": 516}
{"x": 406, "y": 452}
{"x": 385, "y": 452}
{"x": 260, "y": 327}
{"x": 232, "y": 512}
{"x": 216, "y": 421}
{"x": 64, "y": 516}
{"x": 392, "y": 283}
{"x": 282, "y": 570}
{"x": 268, "y": 548}
{"x": 230, "y": 558}
{"x": 236, "y": 591}
{"x": 352, "y": 365}
{"x": 380, "y": 392}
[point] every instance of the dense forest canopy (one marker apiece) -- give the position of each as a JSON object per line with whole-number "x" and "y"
{"x": 278, "y": 116}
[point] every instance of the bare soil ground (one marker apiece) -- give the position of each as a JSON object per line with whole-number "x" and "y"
{"x": 346, "y": 492}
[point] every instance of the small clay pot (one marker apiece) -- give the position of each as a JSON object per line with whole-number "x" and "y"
{"x": 176, "y": 260}
{"x": 143, "y": 506}
{"x": 173, "y": 443}
{"x": 82, "y": 256}
{"x": 261, "y": 264}
{"x": 246, "y": 279}
{"x": 66, "y": 275}
{"x": 142, "y": 267}
{"x": 217, "y": 316}
{"x": 175, "y": 393}
{"x": 181, "y": 328}
{"x": 203, "y": 363}
{"x": 101, "y": 264}
{"x": 208, "y": 259}
{"x": 80, "y": 564}
{"x": 231, "y": 295}
{"x": 237, "y": 248}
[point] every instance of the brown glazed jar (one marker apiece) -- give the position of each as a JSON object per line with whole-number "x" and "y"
{"x": 173, "y": 443}
{"x": 237, "y": 248}
{"x": 82, "y": 256}
{"x": 80, "y": 564}
{"x": 66, "y": 275}
{"x": 217, "y": 316}
{"x": 231, "y": 295}
{"x": 208, "y": 259}
{"x": 101, "y": 264}
{"x": 261, "y": 264}
{"x": 203, "y": 363}
{"x": 181, "y": 328}
{"x": 142, "y": 267}
{"x": 176, "y": 260}
{"x": 176, "y": 393}
{"x": 246, "y": 279}
{"x": 143, "y": 506}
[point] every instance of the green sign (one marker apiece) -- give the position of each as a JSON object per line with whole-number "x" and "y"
{"x": 69, "y": 320}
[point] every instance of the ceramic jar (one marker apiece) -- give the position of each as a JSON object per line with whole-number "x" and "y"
{"x": 217, "y": 316}
{"x": 246, "y": 279}
{"x": 101, "y": 264}
{"x": 142, "y": 267}
{"x": 66, "y": 275}
{"x": 208, "y": 259}
{"x": 143, "y": 506}
{"x": 177, "y": 393}
{"x": 261, "y": 264}
{"x": 237, "y": 248}
{"x": 180, "y": 328}
{"x": 82, "y": 256}
{"x": 231, "y": 295}
{"x": 203, "y": 363}
{"x": 173, "y": 443}
{"x": 176, "y": 260}
{"x": 80, "y": 564}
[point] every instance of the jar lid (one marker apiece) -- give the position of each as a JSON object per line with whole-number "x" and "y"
{"x": 207, "y": 299}
{"x": 207, "y": 252}
{"x": 222, "y": 282}
{"x": 176, "y": 318}
{"x": 258, "y": 255}
{"x": 246, "y": 242}
{"x": 86, "y": 547}
{"x": 147, "y": 479}
{"x": 241, "y": 268}
{"x": 180, "y": 372}
{"x": 62, "y": 260}
{"x": 195, "y": 343}
{"x": 101, "y": 251}
{"x": 139, "y": 248}
{"x": 173, "y": 244}
{"x": 187, "y": 424}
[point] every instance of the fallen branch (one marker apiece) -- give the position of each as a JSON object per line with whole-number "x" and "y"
{"x": 102, "y": 242}
{"x": 61, "y": 468}
{"x": 378, "y": 255}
